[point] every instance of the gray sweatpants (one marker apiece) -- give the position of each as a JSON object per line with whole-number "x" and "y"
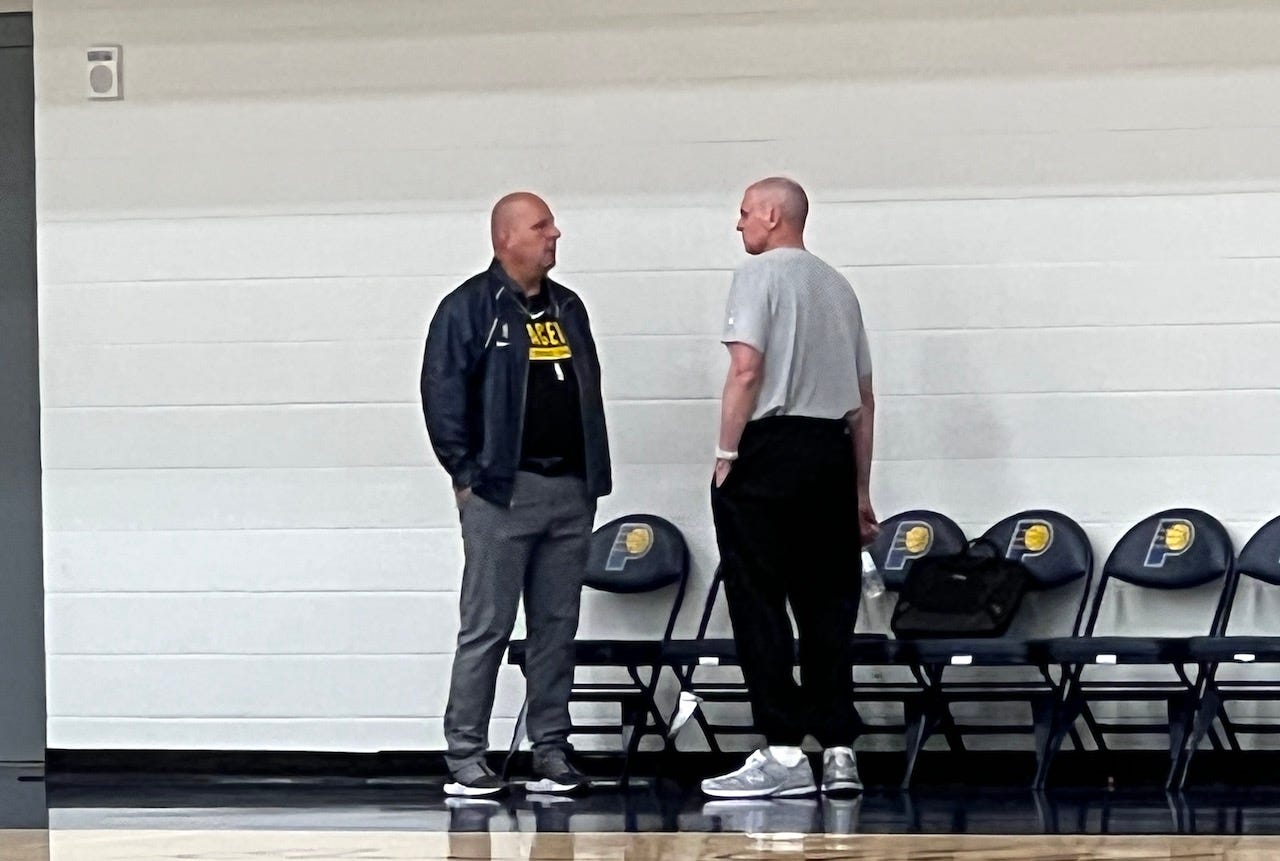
{"x": 537, "y": 547}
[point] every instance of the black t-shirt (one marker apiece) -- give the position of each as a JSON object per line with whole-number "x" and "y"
{"x": 553, "y": 443}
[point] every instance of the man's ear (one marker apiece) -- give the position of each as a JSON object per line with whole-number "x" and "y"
{"x": 775, "y": 216}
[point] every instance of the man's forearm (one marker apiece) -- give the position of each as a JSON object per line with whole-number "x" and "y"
{"x": 741, "y": 391}
{"x": 864, "y": 421}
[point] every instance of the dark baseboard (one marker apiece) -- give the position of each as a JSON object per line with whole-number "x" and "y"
{"x": 940, "y": 769}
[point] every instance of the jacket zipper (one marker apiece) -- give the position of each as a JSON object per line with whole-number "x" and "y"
{"x": 524, "y": 392}
{"x": 524, "y": 398}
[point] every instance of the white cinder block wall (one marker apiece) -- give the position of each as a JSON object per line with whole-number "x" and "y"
{"x": 1061, "y": 217}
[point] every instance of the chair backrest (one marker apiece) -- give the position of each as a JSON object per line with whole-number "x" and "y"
{"x": 1179, "y": 548}
{"x": 1254, "y": 603}
{"x": 1260, "y": 558}
{"x": 1054, "y": 548}
{"x": 639, "y": 553}
{"x": 909, "y": 536}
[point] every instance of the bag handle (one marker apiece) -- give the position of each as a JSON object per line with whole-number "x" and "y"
{"x": 984, "y": 542}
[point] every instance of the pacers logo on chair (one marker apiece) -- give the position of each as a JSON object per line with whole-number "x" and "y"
{"x": 911, "y": 540}
{"x": 633, "y": 541}
{"x": 1030, "y": 538}
{"x": 1173, "y": 538}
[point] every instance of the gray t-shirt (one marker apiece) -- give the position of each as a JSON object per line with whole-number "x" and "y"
{"x": 805, "y": 318}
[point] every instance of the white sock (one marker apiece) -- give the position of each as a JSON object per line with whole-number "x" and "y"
{"x": 787, "y": 754}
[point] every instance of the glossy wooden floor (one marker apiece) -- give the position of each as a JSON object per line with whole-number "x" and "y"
{"x": 110, "y": 817}
{"x": 395, "y": 846}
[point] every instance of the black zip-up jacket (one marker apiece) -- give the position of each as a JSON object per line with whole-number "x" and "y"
{"x": 474, "y": 377}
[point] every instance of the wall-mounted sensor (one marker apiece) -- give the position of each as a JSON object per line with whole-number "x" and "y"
{"x": 104, "y": 72}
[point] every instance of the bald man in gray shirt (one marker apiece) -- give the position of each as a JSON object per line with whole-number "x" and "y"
{"x": 790, "y": 493}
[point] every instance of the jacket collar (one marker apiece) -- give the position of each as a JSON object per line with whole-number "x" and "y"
{"x": 498, "y": 274}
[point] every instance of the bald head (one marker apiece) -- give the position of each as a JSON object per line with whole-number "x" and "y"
{"x": 510, "y": 210}
{"x": 773, "y": 214}
{"x": 786, "y": 195}
{"x": 524, "y": 235}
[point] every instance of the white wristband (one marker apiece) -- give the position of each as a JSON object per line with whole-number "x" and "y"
{"x": 721, "y": 454}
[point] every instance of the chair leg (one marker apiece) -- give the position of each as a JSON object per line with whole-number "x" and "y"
{"x": 708, "y": 732}
{"x": 1046, "y": 812}
{"x": 920, "y": 720}
{"x": 947, "y": 722}
{"x": 1181, "y": 713}
{"x": 1228, "y": 729}
{"x": 635, "y": 722}
{"x": 1054, "y": 720}
{"x": 1095, "y": 729}
{"x": 516, "y": 738}
{"x": 1043, "y": 718}
{"x": 1210, "y": 705}
{"x": 647, "y": 690}
{"x": 1182, "y": 813}
{"x": 656, "y": 722}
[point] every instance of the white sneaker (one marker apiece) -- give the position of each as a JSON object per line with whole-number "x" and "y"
{"x": 762, "y": 776}
{"x": 840, "y": 771}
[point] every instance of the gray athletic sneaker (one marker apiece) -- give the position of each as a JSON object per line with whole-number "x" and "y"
{"x": 840, "y": 771}
{"x": 762, "y": 776}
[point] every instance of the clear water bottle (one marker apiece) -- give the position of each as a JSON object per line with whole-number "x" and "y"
{"x": 872, "y": 579}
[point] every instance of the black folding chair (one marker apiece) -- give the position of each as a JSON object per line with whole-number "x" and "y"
{"x": 1259, "y": 561}
{"x": 685, "y": 657}
{"x": 1174, "y": 551}
{"x": 1059, "y": 558}
{"x": 703, "y": 654}
{"x": 903, "y": 539}
{"x": 628, "y": 555}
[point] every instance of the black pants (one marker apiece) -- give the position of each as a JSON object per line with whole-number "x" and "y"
{"x": 787, "y": 526}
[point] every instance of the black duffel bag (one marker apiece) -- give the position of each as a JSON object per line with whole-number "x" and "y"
{"x": 974, "y": 593}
